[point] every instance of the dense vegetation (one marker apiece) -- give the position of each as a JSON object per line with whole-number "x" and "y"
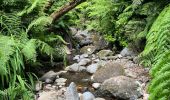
{"x": 28, "y": 33}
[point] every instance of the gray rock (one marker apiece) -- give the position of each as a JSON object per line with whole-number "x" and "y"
{"x": 87, "y": 96}
{"x": 104, "y": 53}
{"x": 85, "y": 42}
{"x": 127, "y": 52}
{"x": 75, "y": 68}
{"x": 99, "y": 42}
{"x": 71, "y": 92}
{"x": 84, "y": 56}
{"x": 96, "y": 85}
{"x": 88, "y": 49}
{"x": 110, "y": 69}
{"x": 121, "y": 87}
{"x": 61, "y": 80}
{"x": 73, "y": 30}
{"x": 38, "y": 86}
{"x": 93, "y": 68}
{"x": 84, "y": 61}
{"x": 77, "y": 58}
{"x": 48, "y": 81}
{"x": 51, "y": 75}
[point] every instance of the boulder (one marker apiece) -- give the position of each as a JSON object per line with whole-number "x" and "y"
{"x": 127, "y": 52}
{"x": 88, "y": 49}
{"x": 71, "y": 92}
{"x": 51, "y": 75}
{"x": 104, "y": 53}
{"x": 121, "y": 87}
{"x": 110, "y": 69}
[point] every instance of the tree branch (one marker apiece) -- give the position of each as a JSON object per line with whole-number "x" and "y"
{"x": 59, "y": 13}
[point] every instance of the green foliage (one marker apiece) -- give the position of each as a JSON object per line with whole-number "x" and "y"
{"x": 24, "y": 36}
{"x": 157, "y": 55}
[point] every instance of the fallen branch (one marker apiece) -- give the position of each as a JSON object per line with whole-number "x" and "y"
{"x": 59, "y": 13}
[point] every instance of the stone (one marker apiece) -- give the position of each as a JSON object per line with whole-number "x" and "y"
{"x": 38, "y": 86}
{"x": 74, "y": 67}
{"x": 99, "y": 99}
{"x": 77, "y": 58}
{"x": 84, "y": 56}
{"x": 127, "y": 52}
{"x": 52, "y": 95}
{"x": 93, "y": 68}
{"x": 84, "y": 61}
{"x": 96, "y": 85}
{"x": 73, "y": 30}
{"x": 121, "y": 87}
{"x": 61, "y": 80}
{"x": 51, "y": 75}
{"x": 99, "y": 42}
{"x": 48, "y": 81}
{"x": 88, "y": 49}
{"x": 71, "y": 92}
{"x": 85, "y": 42}
{"x": 104, "y": 53}
{"x": 110, "y": 69}
{"x": 87, "y": 96}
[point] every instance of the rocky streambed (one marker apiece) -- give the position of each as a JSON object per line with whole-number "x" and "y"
{"x": 97, "y": 73}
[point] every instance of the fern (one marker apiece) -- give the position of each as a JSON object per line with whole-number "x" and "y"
{"x": 157, "y": 55}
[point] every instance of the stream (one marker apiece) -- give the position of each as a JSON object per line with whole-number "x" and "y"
{"x": 97, "y": 73}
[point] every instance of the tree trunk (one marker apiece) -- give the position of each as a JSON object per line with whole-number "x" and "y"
{"x": 59, "y": 13}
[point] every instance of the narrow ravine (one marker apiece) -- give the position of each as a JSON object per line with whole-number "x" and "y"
{"x": 96, "y": 73}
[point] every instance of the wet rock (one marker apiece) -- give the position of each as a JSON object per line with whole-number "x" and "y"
{"x": 110, "y": 69}
{"x": 71, "y": 92}
{"x": 93, "y": 68}
{"x": 51, "y": 75}
{"x": 87, "y": 96}
{"x": 104, "y": 53}
{"x": 38, "y": 86}
{"x": 96, "y": 85}
{"x": 121, "y": 87}
{"x": 127, "y": 52}
{"x": 88, "y": 49}
{"x": 84, "y": 61}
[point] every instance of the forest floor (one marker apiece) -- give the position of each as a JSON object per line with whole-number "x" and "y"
{"x": 95, "y": 73}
